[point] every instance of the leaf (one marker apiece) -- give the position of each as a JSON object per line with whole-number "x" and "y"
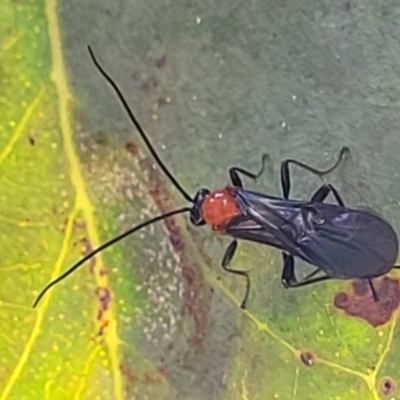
{"x": 155, "y": 317}
{"x": 50, "y": 352}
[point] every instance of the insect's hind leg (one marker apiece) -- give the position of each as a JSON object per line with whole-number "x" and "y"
{"x": 289, "y": 279}
{"x": 373, "y": 290}
{"x": 322, "y": 193}
{"x": 285, "y": 172}
{"x": 235, "y": 171}
{"x": 226, "y": 259}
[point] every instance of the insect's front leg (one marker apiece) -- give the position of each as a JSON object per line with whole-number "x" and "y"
{"x": 226, "y": 259}
{"x": 235, "y": 171}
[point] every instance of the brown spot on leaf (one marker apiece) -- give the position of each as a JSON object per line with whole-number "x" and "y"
{"x": 128, "y": 374}
{"x": 58, "y": 210}
{"x": 103, "y": 272}
{"x": 361, "y": 287}
{"x": 360, "y": 303}
{"x": 177, "y": 242}
{"x": 387, "y": 386}
{"x": 86, "y": 250}
{"x": 161, "y": 62}
{"x": 196, "y": 294}
{"x": 78, "y": 225}
{"x": 102, "y": 328}
{"x": 103, "y": 296}
{"x": 32, "y": 140}
{"x": 101, "y": 139}
{"x": 63, "y": 225}
{"x": 349, "y": 5}
{"x": 132, "y": 147}
{"x": 341, "y": 300}
{"x": 145, "y": 378}
{"x": 161, "y": 102}
{"x": 150, "y": 84}
{"x": 307, "y": 358}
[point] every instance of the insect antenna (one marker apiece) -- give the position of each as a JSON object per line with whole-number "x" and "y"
{"x": 135, "y": 122}
{"x": 105, "y": 245}
{"x": 158, "y": 160}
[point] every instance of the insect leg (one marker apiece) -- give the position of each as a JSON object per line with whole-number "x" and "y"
{"x": 288, "y": 275}
{"x": 289, "y": 279}
{"x": 374, "y": 294}
{"x": 322, "y": 193}
{"x": 235, "y": 171}
{"x": 285, "y": 173}
{"x": 226, "y": 259}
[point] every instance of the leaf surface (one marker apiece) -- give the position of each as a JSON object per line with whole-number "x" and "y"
{"x": 155, "y": 317}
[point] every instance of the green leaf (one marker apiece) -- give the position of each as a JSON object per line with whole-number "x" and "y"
{"x": 214, "y": 85}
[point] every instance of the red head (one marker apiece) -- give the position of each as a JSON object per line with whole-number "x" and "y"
{"x": 219, "y": 207}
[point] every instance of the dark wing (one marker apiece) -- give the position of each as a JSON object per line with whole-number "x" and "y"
{"x": 349, "y": 243}
{"x": 265, "y": 220}
{"x": 248, "y": 228}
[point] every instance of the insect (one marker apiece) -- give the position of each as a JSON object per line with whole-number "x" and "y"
{"x": 339, "y": 241}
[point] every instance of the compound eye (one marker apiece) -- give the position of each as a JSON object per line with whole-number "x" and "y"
{"x": 196, "y": 214}
{"x": 195, "y": 217}
{"x": 200, "y": 195}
